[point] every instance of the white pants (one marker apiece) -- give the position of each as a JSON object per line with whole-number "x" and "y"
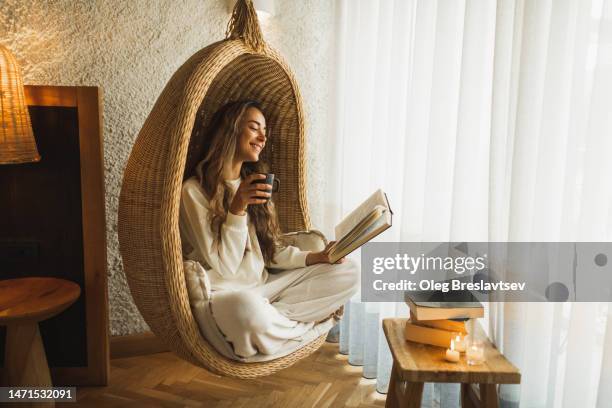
{"x": 263, "y": 319}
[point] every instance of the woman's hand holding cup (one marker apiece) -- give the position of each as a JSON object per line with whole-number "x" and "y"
{"x": 249, "y": 192}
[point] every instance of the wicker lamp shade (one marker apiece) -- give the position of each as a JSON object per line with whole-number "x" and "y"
{"x": 17, "y": 144}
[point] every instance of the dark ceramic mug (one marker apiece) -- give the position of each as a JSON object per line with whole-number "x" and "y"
{"x": 270, "y": 180}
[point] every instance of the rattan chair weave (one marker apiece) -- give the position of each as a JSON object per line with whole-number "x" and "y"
{"x": 167, "y": 148}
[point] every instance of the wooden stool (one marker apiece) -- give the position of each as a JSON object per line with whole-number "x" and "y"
{"x": 415, "y": 364}
{"x": 23, "y": 303}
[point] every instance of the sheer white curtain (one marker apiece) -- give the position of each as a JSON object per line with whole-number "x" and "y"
{"x": 483, "y": 121}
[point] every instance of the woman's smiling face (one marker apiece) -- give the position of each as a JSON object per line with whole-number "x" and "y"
{"x": 252, "y": 138}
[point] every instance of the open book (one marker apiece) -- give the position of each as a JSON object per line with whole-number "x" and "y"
{"x": 365, "y": 222}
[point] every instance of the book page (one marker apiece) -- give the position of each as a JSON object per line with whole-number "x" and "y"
{"x": 380, "y": 224}
{"x": 357, "y": 215}
{"x": 360, "y": 229}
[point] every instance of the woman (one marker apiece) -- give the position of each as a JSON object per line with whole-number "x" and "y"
{"x": 229, "y": 225}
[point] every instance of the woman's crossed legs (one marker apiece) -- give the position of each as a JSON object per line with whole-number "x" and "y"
{"x": 262, "y": 319}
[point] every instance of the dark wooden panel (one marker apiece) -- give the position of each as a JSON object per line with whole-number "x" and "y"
{"x": 41, "y": 226}
{"x": 26, "y": 253}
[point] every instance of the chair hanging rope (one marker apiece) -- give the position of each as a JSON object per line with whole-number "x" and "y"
{"x": 244, "y": 25}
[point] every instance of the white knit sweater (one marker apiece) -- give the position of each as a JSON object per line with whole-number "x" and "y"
{"x": 236, "y": 262}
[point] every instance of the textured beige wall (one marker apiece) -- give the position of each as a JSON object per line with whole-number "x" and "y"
{"x": 130, "y": 48}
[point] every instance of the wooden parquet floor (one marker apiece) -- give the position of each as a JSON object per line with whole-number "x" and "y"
{"x": 325, "y": 379}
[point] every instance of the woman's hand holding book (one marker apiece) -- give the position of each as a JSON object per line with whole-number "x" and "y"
{"x": 322, "y": 256}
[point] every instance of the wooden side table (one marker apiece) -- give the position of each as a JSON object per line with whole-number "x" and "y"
{"x": 23, "y": 303}
{"x": 415, "y": 364}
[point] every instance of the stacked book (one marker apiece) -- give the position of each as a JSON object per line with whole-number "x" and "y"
{"x": 435, "y": 317}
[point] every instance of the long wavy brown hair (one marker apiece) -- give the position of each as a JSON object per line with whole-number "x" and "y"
{"x": 220, "y": 141}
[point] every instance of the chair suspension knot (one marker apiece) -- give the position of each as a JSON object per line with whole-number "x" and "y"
{"x": 244, "y": 25}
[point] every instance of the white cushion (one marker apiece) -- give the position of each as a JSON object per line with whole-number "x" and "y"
{"x": 312, "y": 240}
{"x": 198, "y": 283}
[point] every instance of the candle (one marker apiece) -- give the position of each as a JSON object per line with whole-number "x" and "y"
{"x": 475, "y": 354}
{"x": 452, "y": 355}
{"x": 460, "y": 343}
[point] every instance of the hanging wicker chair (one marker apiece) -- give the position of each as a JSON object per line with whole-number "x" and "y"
{"x": 167, "y": 148}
